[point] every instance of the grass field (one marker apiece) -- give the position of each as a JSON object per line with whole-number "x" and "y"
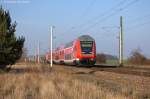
{"x": 112, "y": 62}
{"x": 115, "y": 62}
{"x": 28, "y": 81}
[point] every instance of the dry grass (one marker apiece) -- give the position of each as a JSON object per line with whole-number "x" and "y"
{"x": 44, "y": 84}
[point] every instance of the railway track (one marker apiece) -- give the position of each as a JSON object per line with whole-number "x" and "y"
{"x": 139, "y": 71}
{"x": 125, "y": 70}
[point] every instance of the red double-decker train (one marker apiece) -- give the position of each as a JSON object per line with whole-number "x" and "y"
{"x": 81, "y": 51}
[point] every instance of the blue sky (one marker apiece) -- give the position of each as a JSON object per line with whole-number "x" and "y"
{"x": 72, "y": 18}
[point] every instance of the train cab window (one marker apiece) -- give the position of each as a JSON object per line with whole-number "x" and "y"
{"x": 86, "y": 46}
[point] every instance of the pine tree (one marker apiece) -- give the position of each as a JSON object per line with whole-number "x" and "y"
{"x": 10, "y": 45}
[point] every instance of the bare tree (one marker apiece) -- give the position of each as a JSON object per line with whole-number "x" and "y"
{"x": 137, "y": 57}
{"x": 101, "y": 58}
{"x": 24, "y": 55}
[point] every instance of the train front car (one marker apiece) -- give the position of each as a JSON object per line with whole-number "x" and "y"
{"x": 85, "y": 50}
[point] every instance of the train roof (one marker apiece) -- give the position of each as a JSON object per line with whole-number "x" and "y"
{"x": 81, "y": 38}
{"x": 85, "y": 38}
{"x": 69, "y": 44}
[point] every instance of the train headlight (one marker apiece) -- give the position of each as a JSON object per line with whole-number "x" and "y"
{"x": 92, "y": 59}
{"x": 77, "y": 59}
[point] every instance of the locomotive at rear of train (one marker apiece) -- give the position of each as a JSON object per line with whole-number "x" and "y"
{"x": 81, "y": 51}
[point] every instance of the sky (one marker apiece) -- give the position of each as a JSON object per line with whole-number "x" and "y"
{"x": 73, "y": 18}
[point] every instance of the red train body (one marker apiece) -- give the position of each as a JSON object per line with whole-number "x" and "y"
{"x": 78, "y": 52}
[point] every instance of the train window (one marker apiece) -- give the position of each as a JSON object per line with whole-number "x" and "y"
{"x": 68, "y": 56}
{"x": 86, "y": 46}
{"x": 62, "y": 52}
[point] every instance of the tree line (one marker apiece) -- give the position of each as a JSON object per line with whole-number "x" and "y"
{"x": 136, "y": 58}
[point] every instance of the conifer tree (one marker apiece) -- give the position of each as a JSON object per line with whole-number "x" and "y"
{"x": 10, "y": 45}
